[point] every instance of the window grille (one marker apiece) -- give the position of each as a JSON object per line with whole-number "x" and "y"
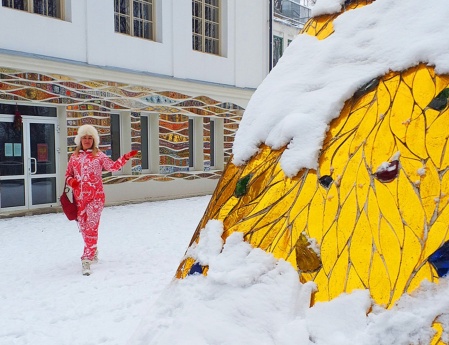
{"x": 135, "y": 18}
{"x": 206, "y": 26}
{"x": 49, "y": 8}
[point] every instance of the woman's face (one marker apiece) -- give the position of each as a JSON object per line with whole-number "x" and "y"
{"x": 87, "y": 142}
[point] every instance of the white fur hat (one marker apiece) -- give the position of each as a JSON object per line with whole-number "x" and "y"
{"x": 87, "y": 130}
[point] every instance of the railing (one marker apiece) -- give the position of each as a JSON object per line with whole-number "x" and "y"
{"x": 291, "y": 12}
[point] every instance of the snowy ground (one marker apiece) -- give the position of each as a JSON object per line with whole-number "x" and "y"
{"x": 44, "y": 299}
{"x": 248, "y": 297}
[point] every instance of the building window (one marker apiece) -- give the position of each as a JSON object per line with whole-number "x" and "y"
{"x": 206, "y": 26}
{"x": 212, "y": 143}
{"x": 115, "y": 136}
{"x": 144, "y": 141}
{"x": 134, "y": 17}
{"x": 278, "y": 44}
{"x": 191, "y": 143}
{"x": 49, "y": 8}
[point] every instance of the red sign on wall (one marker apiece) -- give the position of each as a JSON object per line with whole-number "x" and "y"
{"x": 42, "y": 152}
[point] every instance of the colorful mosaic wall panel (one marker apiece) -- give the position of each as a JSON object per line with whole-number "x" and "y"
{"x": 230, "y": 128}
{"x": 136, "y": 141}
{"x": 207, "y": 143}
{"x": 173, "y": 143}
{"x": 92, "y": 101}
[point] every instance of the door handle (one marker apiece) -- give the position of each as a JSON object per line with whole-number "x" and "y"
{"x": 35, "y": 166}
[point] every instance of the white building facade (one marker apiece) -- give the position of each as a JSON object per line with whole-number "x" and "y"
{"x": 169, "y": 78}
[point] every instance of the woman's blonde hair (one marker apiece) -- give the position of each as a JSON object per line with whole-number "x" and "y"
{"x": 95, "y": 150}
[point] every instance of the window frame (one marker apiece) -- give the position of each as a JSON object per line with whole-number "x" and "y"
{"x": 278, "y": 48}
{"x": 131, "y": 19}
{"x": 191, "y": 132}
{"x": 149, "y": 148}
{"x": 206, "y": 26}
{"x": 145, "y": 142}
{"x": 116, "y": 130}
{"x": 212, "y": 142}
{"x": 28, "y": 6}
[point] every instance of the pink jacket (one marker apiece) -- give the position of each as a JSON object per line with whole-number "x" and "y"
{"x": 87, "y": 170}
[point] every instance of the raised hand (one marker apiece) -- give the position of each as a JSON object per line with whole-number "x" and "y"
{"x": 130, "y": 154}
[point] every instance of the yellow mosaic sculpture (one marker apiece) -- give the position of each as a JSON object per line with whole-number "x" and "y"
{"x": 377, "y": 207}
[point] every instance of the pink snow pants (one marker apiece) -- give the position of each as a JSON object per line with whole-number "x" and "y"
{"x": 89, "y": 220}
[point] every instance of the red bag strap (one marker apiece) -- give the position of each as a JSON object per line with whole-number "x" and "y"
{"x": 66, "y": 186}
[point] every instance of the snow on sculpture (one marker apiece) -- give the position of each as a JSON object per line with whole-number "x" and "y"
{"x": 370, "y": 208}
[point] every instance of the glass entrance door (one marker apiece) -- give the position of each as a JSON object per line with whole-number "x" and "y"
{"x": 42, "y": 162}
{"x": 28, "y": 163}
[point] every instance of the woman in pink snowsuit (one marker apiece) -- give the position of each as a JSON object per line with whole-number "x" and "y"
{"x": 84, "y": 175}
